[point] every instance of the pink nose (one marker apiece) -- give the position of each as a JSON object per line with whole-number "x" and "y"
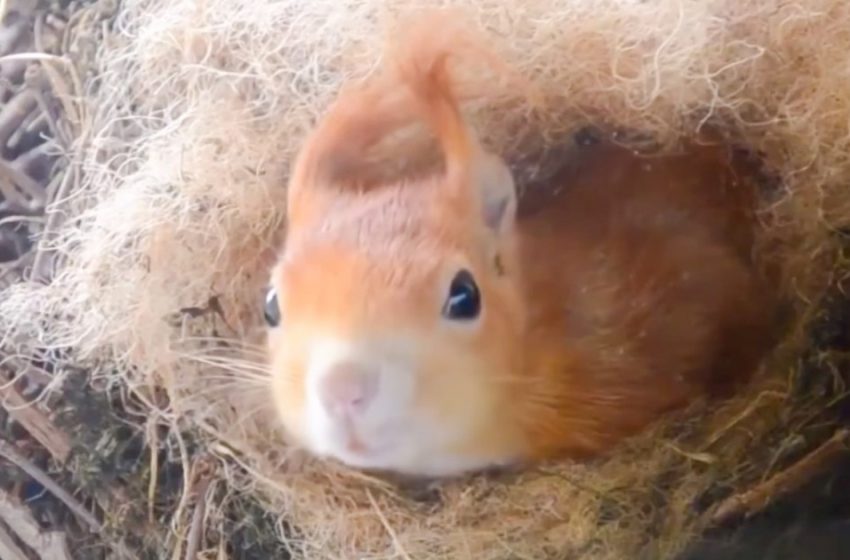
{"x": 347, "y": 389}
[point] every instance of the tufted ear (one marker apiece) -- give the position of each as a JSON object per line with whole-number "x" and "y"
{"x": 496, "y": 192}
{"x": 361, "y": 116}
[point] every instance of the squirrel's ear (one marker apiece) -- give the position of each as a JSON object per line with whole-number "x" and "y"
{"x": 327, "y": 162}
{"x": 496, "y": 192}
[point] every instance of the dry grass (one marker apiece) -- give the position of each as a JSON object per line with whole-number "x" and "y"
{"x": 191, "y": 113}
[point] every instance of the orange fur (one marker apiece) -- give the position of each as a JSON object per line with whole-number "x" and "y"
{"x": 627, "y": 295}
{"x": 365, "y": 113}
{"x": 648, "y": 294}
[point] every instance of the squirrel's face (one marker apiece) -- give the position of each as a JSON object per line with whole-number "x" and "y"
{"x": 392, "y": 334}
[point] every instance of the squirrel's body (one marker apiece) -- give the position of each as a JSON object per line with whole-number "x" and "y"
{"x": 642, "y": 295}
{"x": 434, "y": 326}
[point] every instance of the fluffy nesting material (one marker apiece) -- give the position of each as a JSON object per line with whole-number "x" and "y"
{"x": 198, "y": 107}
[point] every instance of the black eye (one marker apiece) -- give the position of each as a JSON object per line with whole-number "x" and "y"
{"x": 464, "y": 301}
{"x": 271, "y": 311}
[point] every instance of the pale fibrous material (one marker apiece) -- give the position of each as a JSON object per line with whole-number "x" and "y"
{"x": 195, "y": 110}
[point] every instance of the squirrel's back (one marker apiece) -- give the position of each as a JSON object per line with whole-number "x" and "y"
{"x": 642, "y": 292}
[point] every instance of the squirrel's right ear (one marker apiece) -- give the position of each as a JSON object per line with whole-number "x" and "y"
{"x": 361, "y": 115}
{"x": 496, "y": 192}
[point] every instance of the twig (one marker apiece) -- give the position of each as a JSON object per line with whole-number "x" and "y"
{"x": 743, "y": 415}
{"x": 50, "y": 545}
{"x": 70, "y": 174}
{"x": 387, "y": 527}
{"x": 10, "y": 271}
{"x": 41, "y": 253}
{"x": 33, "y": 373}
{"x": 8, "y": 549}
{"x": 35, "y": 83}
{"x": 187, "y": 478}
{"x": 18, "y": 177}
{"x": 36, "y": 423}
{"x": 74, "y": 114}
{"x": 153, "y": 443}
{"x": 201, "y": 474}
{"x": 13, "y": 456}
{"x": 193, "y": 539}
{"x": 60, "y": 87}
{"x": 759, "y": 497}
{"x": 15, "y": 113}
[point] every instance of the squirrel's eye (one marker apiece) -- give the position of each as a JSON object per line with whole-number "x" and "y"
{"x": 464, "y": 299}
{"x": 271, "y": 311}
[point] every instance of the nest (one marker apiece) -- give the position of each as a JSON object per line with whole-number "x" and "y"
{"x": 185, "y": 124}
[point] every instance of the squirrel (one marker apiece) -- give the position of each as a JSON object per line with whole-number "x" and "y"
{"x": 431, "y": 327}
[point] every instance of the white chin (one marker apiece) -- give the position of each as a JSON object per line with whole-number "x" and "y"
{"x": 367, "y": 455}
{"x": 410, "y": 459}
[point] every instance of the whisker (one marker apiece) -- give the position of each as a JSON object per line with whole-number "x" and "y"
{"x": 510, "y": 379}
{"x": 193, "y": 394}
{"x": 255, "y": 354}
{"x": 222, "y": 353}
{"x": 224, "y": 373}
{"x": 228, "y": 342}
{"x": 227, "y": 353}
{"x": 232, "y": 375}
{"x": 238, "y": 368}
{"x": 250, "y": 414}
{"x": 266, "y": 383}
{"x": 235, "y": 364}
{"x": 223, "y": 357}
{"x": 236, "y": 379}
{"x": 243, "y": 367}
{"x": 216, "y": 338}
{"x": 238, "y": 374}
{"x": 224, "y": 382}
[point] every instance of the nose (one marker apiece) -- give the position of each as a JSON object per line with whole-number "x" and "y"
{"x": 348, "y": 388}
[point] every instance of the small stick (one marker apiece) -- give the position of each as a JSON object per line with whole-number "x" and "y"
{"x": 34, "y": 84}
{"x": 8, "y": 549}
{"x": 760, "y": 496}
{"x": 18, "y": 177}
{"x": 194, "y": 538}
{"x": 153, "y": 443}
{"x": 31, "y": 372}
{"x": 387, "y": 527}
{"x": 188, "y": 479}
{"x": 50, "y": 545}
{"x": 15, "y": 113}
{"x": 41, "y": 253}
{"x": 59, "y": 85}
{"x": 36, "y": 423}
{"x": 13, "y": 456}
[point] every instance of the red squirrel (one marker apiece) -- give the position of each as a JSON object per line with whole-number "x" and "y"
{"x": 432, "y": 327}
